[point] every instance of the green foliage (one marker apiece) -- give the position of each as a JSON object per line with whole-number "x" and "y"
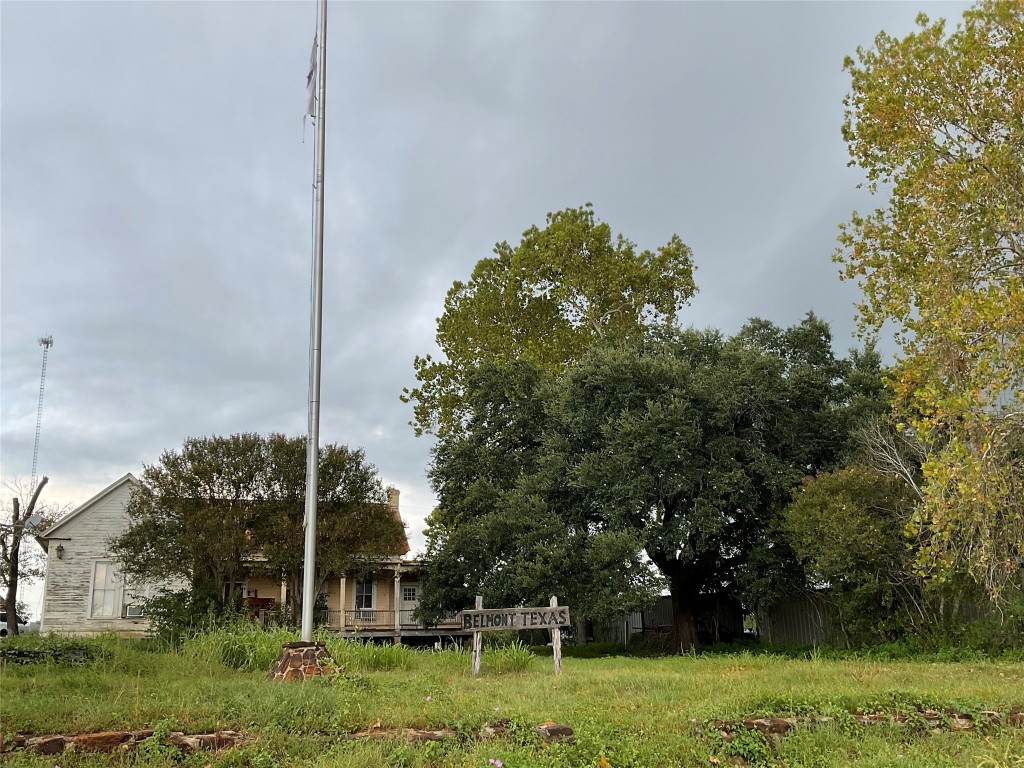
{"x": 176, "y": 615}
{"x": 496, "y": 532}
{"x": 645, "y": 646}
{"x": 373, "y": 657}
{"x": 222, "y": 506}
{"x": 60, "y": 650}
{"x": 246, "y": 646}
{"x": 678, "y": 449}
{"x": 937, "y": 122}
{"x": 749, "y": 746}
{"x": 690, "y": 442}
{"x": 545, "y": 302}
{"x": 847, "y": 526}
{"x": 239, "y": 645}
{"x": 155, "y": 747}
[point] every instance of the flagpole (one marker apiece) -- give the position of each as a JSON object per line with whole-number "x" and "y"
{"x": 316, "y": 330}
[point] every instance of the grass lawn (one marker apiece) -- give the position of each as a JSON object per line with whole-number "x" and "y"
{"x": 624, "y": 711}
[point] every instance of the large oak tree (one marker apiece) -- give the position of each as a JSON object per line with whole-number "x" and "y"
{"x": 677, "y": 450}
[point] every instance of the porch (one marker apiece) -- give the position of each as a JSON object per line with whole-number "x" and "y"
{"x": 380, "y": 603}
{"x": 368, "y": 622}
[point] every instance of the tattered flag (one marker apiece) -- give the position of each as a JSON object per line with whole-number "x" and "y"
{"x": 311, "y": 83}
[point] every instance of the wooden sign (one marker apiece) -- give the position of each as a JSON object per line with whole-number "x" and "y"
{"x": 554, "y": 617}
{"x": 495, "y": 619}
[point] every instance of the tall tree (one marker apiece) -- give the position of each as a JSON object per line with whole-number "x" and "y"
{"x": 693, "y": 442}
{"x": 937, "y": 122}
{"x": 546, "y": 301}
{"x": 221, "y": 505}
{"x": 677, "y": 450}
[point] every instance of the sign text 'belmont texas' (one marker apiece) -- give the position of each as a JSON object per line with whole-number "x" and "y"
{"x": 490, "y": 620}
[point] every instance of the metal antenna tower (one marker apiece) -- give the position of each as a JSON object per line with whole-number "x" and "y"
{"x": 45, "y": 342}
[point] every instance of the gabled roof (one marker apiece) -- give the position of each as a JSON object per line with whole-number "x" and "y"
{"x": 128, "y": 478}
{"x": 402, "y": 544}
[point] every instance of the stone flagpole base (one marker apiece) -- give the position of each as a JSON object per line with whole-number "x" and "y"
{"x": 301, "y": 661}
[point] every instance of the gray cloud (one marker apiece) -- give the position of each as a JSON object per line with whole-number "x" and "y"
{"x": 156, "y": 195}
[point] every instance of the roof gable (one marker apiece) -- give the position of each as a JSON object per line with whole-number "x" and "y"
{"x": 402, "y": 545}
{"x": 128, "y": 478}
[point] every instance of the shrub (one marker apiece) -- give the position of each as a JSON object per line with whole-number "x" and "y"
{"x": 53, "y": 649}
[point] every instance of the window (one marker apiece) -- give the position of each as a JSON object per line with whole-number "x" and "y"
{"x": 364, "y": 599}
{"x": 104, "y": 591}
{"x": 408, "y": 594}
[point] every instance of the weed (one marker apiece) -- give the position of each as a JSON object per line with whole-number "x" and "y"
{"x": 750, "y": 746}
{"x": 155, "y": 748}
{"x": 512, "y": 658}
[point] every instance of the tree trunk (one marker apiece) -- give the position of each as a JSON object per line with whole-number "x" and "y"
{"x": 684, "y": 625}
{"x": 17, "y": 532}
{"x": 12, "y": 574}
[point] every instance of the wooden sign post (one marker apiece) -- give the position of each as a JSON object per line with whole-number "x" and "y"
{"x": 554, "y": 617}
{"x": 556, "y": 640}
{"x": 478, "y": 640}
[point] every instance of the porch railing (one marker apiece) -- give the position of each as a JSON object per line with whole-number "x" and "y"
{"x": 376, "y": 619}
{"x": 363, "y": 618}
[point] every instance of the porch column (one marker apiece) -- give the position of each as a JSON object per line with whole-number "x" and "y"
{"x": 396, "y": 603}
{"x": 284, "y": 593}
{"x": 341, "y": 602}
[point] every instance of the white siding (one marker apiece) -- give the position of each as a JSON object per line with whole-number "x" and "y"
{"x": 67, "y": 595}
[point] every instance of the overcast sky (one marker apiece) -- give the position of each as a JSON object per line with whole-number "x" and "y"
{"x": 156, "y": 196}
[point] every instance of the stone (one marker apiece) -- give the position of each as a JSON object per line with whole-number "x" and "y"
{"x": 17, "y": 741}
{"x": 104, "y": 741}
{"x": 419, "y": 737}
{"x": 553, "y": 732}
{"x": 46, "y": 745}
{"x": 769, "y": 725}
{"x": 177, "y": 739}
{"x": 301, "y": 661}
{"x": 218, "y": 740}
{"x": 494, "y": 730}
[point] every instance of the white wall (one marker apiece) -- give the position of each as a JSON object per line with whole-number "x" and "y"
{"x": 67, "y": 592}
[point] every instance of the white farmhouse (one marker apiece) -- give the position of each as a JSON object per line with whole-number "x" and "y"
{"x": 83, "y": 593}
